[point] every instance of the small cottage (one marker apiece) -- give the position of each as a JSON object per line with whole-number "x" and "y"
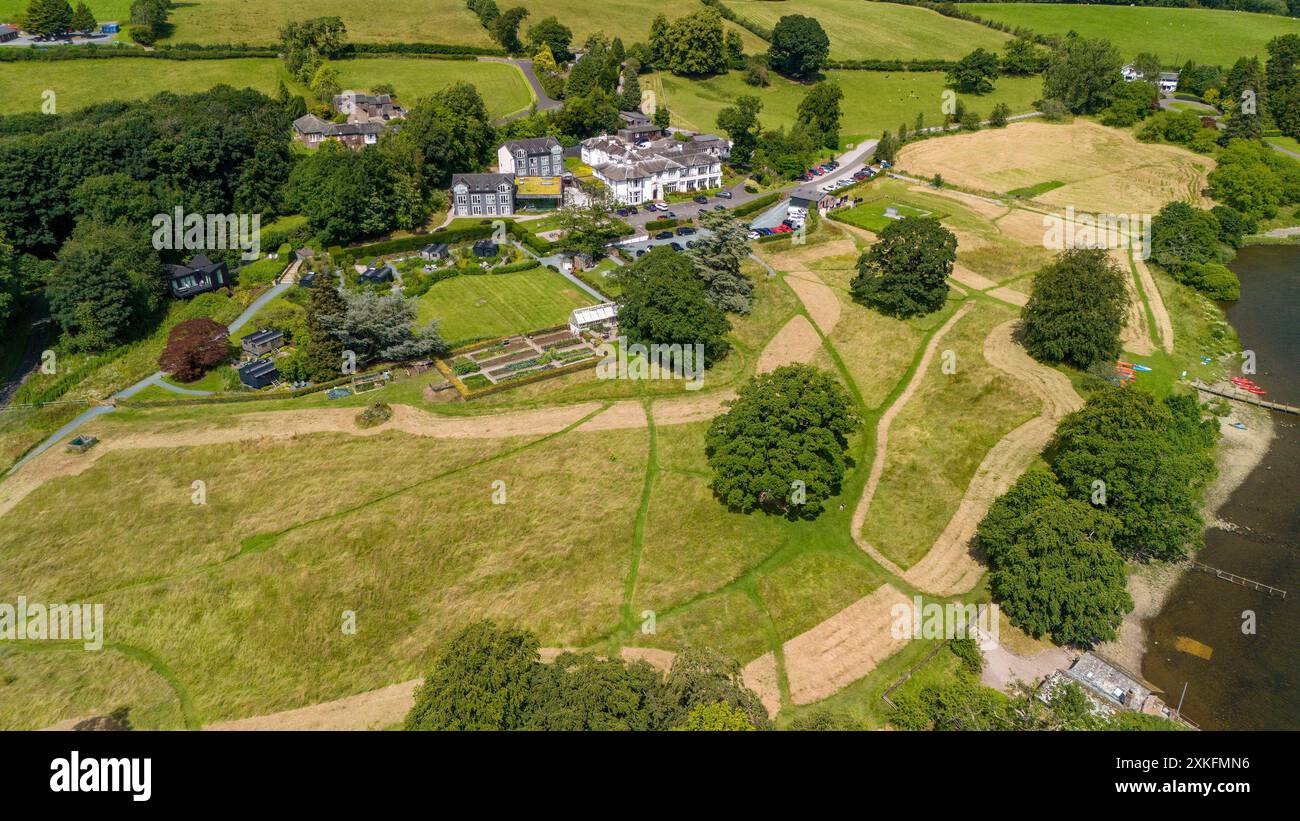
{"x": 263, "y": 342}
{"x": 259, "y": 373}
{"x": 436, "y": 251}
{"x": 197, "y": 276}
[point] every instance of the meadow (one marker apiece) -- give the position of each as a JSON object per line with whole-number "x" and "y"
{"x": 393, "y": 21}
{"x": 1176, "y": 35}
{"x": 861, "y": 30}
{"x": 873, "y": 100}
{"x": 471, "y": 307}
{"x": 79, "y": 83}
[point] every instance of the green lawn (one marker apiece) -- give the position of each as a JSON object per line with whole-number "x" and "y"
{"x": 871, "y": 215}
{"x": 393, "y": 21}
{"x": 104, "y": 10}
{"x": 873, "y": 100}
{"x": 79, "y": 83}
{"x": 628, "y": 19}
{"x": 470, "y": 307}
{"x": 1289, "y": 143}
{"x": 868, "y": 30}
{"x": 1176, "y": 35}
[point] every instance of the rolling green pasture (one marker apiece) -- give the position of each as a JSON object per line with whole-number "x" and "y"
{"x": 1176, "y": 35}
{"x": 861, "y": 30}
{"x": 470, "y": 307}
{"x": 873, "y": 100}
{"x": 79, "y": 83}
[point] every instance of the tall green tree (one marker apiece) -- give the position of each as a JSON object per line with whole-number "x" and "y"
{"x": 1021, "y": 56}
{"x": 800, "y": 47}
{"x": 505, "y": 29}
{"x": 740, "y": 123}
{"x": 83, "y": 19}
{"x": 974, "y": 73}
{"x": 664, "y": 302}
{"x": 447, "y": 132}
{"x": 906, "y": 272}
{"x": 322, "y": 349}
{"x": 1076, "y": 310}
{"x": 717, "y": 256}
{"x": 1282, "y": 75}
{"x": 820, "y": 111}
{"x": 694, "y": 45}
{"x": 306, "y": 43}
{"x": 781, "y": 446}
{"x": 1082, "y": 73}
{"x": 47, "y": 18}
{"x": 106, "y": 286}
{"x": 1153, "y": 461}
{"x": 552, "y": 33}
{"x": 482, "y": 680}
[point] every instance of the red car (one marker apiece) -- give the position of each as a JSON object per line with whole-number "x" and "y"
{"x": 782, "y": 229}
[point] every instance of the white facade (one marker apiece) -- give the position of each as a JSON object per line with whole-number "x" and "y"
{"x": 635, "y": 175}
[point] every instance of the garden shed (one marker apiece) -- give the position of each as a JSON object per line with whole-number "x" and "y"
{"x": 259, "y": 373}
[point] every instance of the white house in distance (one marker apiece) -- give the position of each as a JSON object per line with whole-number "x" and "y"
{"x": 641, "y": 173}
{"x": 1166, "y": 82}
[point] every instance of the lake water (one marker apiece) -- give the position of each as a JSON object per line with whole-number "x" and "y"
{"x": 1250, "y": 681}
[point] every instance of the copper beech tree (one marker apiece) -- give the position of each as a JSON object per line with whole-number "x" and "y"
{"x": 195, "y": 347}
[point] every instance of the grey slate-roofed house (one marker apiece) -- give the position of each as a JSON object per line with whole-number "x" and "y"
{"x": 262, "y": 342}
{"x": 361, "y": 108}
{"x": 311, "y": 131}
{"x": 435, "y": 251}
{"x": 483, "y": 195}
{"x": 376, "y": 274}
{"x": 532, "y": 157}
{"x": 259, "y": 373}
{"x": 8, "y": 33}
{"x": 198, "y": 276}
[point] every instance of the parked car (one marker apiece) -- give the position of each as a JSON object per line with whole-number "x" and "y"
{"x": 726, "y": 195}
{"x": 622, "y": 212}
{"x": 753, "y": 235}
{"x": 701, "y": 199}
{"x": 676, "y": 246}
{"x": 690, "y": 243}
{"x": 782, "y": 229}
{"x": 670, "y": 215}
{"x": 765, "y": 231}
{"x": 685, "y": 231}
{"x": 631, "y": 209}
{"x": 640, "y": 251}
{"x": 719, "y": 207}
{"x": 664, "y": 235}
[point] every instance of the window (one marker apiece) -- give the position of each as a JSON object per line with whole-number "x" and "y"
{"x": 478, "y": 209}
{"x": 475, "y": 198}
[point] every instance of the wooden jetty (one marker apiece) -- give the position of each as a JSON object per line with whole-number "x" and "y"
{"x": 1247, "y": 397}
{"x": 1241, "y": 580}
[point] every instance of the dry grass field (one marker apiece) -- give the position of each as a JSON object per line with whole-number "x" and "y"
{"x": 1103, "y": 169}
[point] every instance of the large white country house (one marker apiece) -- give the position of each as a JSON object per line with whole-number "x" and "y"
{"x": 636, "y": 173}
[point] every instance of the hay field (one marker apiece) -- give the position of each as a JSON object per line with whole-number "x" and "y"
{"x": 1103, "y": 169}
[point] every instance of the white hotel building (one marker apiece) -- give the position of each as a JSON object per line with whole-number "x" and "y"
{"x": 637, "y": 174}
